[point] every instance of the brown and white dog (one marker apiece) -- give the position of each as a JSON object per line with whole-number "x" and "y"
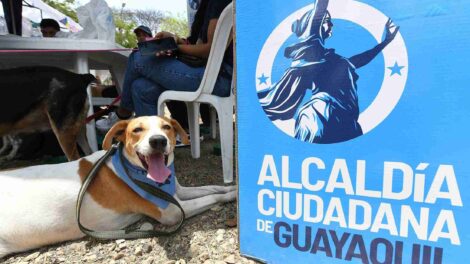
{"x": 41, "y": 98}
{"x": 37, "y": 204}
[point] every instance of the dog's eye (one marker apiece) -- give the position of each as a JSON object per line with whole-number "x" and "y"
{"x": 137, "y": 130}
{"x": 166, "y": 127}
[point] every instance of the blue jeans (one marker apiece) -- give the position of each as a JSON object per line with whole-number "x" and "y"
{"x": 148, "y": 76}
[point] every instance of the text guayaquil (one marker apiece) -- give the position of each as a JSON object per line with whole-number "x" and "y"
{"x": 400, "y": 182}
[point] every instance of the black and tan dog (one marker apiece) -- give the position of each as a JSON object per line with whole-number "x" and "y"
{"x": 42, "y": 98}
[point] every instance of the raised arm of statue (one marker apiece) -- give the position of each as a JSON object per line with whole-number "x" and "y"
{"x": 364, "y": 58}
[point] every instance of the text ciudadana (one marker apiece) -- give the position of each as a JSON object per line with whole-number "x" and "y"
{"x": 331, "y": 197}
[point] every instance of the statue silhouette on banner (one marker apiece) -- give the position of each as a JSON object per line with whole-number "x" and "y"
{"x": 331, "y": 115}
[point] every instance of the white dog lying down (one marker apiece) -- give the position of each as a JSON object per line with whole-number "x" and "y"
{"x": 37, "y": 204}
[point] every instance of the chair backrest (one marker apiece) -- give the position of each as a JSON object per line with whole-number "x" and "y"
{"x": 219, "y": 45}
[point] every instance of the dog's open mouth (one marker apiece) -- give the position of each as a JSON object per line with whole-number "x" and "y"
{"x": 155, "y": 164}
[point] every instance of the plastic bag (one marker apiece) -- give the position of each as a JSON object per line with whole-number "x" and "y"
{"x": 97, "y": 21}
{"x": 26, "y": 27}
{"x": 3, "y": 26}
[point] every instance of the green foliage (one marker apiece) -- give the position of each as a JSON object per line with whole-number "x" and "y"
{"x": 64, "y": 6}
{"x": 150, "y": 18}
{"x": 177, "y": 25}
{"x": 125, "y": 32}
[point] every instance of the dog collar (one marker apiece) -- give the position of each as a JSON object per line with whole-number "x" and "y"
{"x": 140, "y": 174}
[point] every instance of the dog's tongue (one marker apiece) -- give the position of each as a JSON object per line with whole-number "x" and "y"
{"x": 157, "y": 171}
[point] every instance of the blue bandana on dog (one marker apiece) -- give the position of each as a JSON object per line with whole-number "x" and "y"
{"x": 141, "y": 175}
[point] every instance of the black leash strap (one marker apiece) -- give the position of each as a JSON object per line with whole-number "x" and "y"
{"x": 124, "y": 234}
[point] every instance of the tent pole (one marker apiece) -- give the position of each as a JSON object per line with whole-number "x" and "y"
{"x": 13, "y": 18}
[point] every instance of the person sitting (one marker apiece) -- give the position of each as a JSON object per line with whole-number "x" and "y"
{"x": 148, "y": 76}
{"x": 143, "y": 33}
{"x": 177, "y": 109}
{"x": 49, "y": 27}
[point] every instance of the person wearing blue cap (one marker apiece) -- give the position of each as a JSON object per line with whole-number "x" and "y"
{"x": 49, "y": 27}
{"x": 143, "y": 33}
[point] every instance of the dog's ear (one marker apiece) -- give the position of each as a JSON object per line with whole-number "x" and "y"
{"x": 117, "y": 132}
{"x": 179, "y": 130}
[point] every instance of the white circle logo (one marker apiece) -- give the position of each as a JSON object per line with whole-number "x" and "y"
{"x": 369, "y": 18}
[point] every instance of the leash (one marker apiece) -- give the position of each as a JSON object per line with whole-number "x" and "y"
{"x": 123, "y": 233}
{"x": 101, "y": 112}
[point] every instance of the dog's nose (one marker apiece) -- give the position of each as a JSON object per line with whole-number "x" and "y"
{"x": 158, "y": 142}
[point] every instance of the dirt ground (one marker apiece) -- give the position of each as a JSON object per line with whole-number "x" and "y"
{"x": 206, "y": 238}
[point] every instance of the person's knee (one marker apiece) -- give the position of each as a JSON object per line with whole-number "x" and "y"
{"x": 142, "y": 87}
{"x": 138, "y": 86}
{"x": 145, "y": 90}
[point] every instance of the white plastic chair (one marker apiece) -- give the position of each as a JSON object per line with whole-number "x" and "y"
{"x": 223, "y": 105}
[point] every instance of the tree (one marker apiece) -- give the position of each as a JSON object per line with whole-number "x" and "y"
{"x": 149, "y": 18}
{"x": 64, "y": 6}
{"x": 125, "y": 32}
{"x": 125, "y": 25}
{"x": 177, "y": 25}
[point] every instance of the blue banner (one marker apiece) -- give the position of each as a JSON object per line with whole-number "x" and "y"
{"x": 353, "y": 124}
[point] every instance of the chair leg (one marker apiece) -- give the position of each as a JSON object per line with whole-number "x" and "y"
{"x": 83, "y": 142}
{"x": 213, "y": 123}
{"x": 161, "y": 108}
{"x": 91, "y": 135}
{"x": 193, "y": 120}
{"x": 226, "y": 141}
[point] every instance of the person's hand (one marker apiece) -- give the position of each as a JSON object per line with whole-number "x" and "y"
{"x": 389, "y": 35}
{"x": 164, "y": 34}
{"x": 165, "y": 53}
